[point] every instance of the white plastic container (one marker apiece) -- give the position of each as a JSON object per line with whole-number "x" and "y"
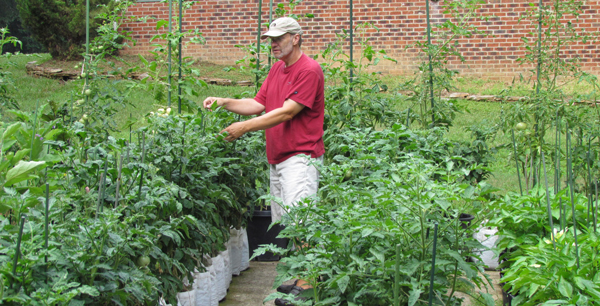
{"x": 487, "y": 237}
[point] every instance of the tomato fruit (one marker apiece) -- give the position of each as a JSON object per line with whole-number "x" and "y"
{"x": 143, "y": 261}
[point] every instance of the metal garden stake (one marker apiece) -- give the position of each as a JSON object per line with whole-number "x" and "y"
{"x": 571, "y": 193}
{"x": 548, "y": 201}
{"x": 18, "y": 249}
{"x": 435, "y": 234}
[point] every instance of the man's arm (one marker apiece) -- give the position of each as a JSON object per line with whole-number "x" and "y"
{"x": 245, "y": 107}
{"x": 289, "y": 109}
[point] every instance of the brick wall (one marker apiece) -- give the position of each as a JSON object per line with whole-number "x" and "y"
{"x": 227, "y": 23}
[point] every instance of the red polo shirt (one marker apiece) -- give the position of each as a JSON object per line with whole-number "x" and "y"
{"x": 302, "y": 82}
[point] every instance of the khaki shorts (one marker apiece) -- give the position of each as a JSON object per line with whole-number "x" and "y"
{"x": 293, "y": 180}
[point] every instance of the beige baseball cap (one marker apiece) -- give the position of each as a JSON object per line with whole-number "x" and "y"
{"x": 281, "y": 26}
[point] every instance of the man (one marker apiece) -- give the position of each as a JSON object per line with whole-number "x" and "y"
{"x": 293, "y": 100}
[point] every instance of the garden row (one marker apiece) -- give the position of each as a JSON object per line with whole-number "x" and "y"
{"x": 119, "y": 221}
{"x": 88, "y": 218}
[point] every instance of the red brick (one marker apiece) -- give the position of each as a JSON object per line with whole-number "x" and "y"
{"x": 402, "y": 23}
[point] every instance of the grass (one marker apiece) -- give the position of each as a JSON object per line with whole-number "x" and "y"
{"x": 30, "y": 90}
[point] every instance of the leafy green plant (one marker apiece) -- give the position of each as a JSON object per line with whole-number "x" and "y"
{"x": 543, "y": 111}
{"x": 45, "y": 20}
{"x": 531, "y": 247}
{"x": 162, "y": 68}
{"x": 546, "y": 273}
{"x": 353, "y": 88}
{"x": 434, "y": 75}
{"x": 5, "y": 80}
{"x": 373, "y": 197}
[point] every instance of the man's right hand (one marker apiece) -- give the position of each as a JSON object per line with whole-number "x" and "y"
{"x": 208, "y": 102}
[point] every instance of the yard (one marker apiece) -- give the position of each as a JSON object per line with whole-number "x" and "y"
{"x": 117, "y": 186}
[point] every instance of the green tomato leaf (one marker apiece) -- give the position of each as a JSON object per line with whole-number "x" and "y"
{"x": 343, "y": 283}
{"x": 488, "y": 298}
{"x": 7, "y": 144}
{"x": 367, "y": 232}
{"x": 533, "y": 289}
{"x": 414, "y": 296}
{"x": 378, "y": 254}
{"x": 22, "y": 171}
{"x": 565, "y": 288}
{"x": 11, "y": 130}
{"x": 161, "y": 23}
{"x": 92, "y": 291}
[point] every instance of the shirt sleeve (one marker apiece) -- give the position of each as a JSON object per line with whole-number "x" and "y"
{"x": 261, "y": 96}
{"x": 304, "y": 89}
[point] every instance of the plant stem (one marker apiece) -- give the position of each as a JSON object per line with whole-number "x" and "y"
{"x": 548, "y": 201}
{"x": 118, "y": 181}
{"x": 516, "y": 160}
{"x": 571, "y": 193}
{"x": 596, "y": 210}
{"x": 34, "y": 128}
{"x": 142, "y": 172}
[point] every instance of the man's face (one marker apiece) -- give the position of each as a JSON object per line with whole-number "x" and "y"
{"x": 282, "y": 46}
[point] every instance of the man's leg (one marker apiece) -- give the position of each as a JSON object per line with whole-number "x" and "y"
{"x": 291, "y": 181}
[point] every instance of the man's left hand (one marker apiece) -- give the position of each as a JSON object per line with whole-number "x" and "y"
{"x": 235, "y": 131}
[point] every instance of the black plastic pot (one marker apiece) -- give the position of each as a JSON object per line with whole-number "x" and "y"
{"x": 259, "y": 234}
{"x": 465, "y": 220}
{"x": 506, "y": 296}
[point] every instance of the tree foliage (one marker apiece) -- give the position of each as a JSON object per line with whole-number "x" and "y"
{"x": 9, "y": 18}
{"x": 60, "y": 25}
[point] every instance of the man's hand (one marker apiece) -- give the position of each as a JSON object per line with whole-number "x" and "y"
{"x": 208, "y": 102}
{"x": 235, "y": 131}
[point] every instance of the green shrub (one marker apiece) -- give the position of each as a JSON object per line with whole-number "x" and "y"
{"x": 9, "y": 18}
{"x": 60, "y": 25}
